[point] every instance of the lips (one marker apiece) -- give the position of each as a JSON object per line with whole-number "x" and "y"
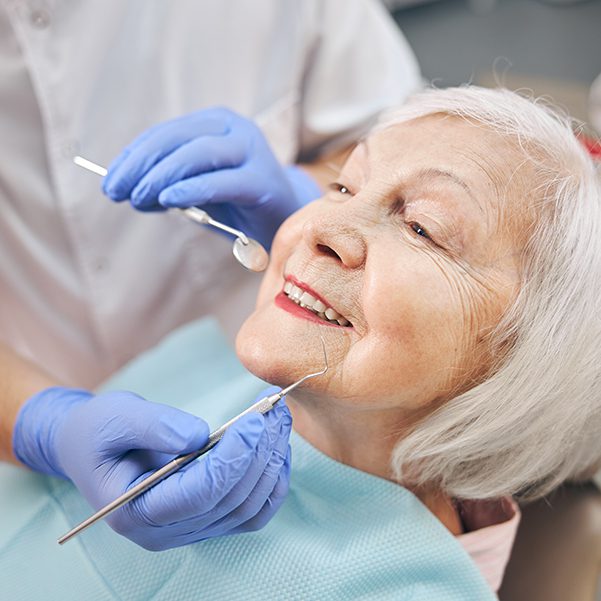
{"x": 305, "y": 297}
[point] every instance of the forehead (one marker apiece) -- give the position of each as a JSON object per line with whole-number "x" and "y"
{"x": 468, "y": 150}
{"x": 442, "y": 150}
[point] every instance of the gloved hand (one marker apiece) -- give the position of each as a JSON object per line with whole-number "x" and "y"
{"x": 215, "y": 159}
{"x": 107, "y": 443}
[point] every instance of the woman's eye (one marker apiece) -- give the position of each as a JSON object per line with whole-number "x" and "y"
{"x": 419, "y": 230}
{"x": 340, "y": 188}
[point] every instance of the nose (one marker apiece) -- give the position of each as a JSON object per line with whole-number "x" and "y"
{"x": 331, "y": 235}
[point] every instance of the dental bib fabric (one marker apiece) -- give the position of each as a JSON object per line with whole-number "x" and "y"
{"x": 341, "y": 534}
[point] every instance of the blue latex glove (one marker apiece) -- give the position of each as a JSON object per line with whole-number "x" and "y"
{"x": 106, "y": 444}
{"x": 216, "y": 159}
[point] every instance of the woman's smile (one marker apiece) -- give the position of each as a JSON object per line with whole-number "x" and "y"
{"x": 299, "y": 299}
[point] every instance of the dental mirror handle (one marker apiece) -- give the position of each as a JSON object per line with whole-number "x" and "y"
{"x": 194, "y": 213}
{"x": 200, "y": 216}
{"x": 248, "y": 252}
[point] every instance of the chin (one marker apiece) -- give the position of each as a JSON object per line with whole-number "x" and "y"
{"x": 257, "y": 352}
{"x": 276, "y": 347}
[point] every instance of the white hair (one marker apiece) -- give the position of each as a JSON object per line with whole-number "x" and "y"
{"x": 536, "y": 420}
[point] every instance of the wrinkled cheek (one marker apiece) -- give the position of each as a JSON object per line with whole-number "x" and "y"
{"x": 421, "y": 329}
{"x": 388, "y": 372}
{"x": 472, "y": 317}
{"x": 395, "y": 356}
{"x": 412, "y": 310}
{"x": 414, "y": 349}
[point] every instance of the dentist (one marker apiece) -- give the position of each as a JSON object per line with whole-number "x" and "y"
{"x": 85, "y": 285}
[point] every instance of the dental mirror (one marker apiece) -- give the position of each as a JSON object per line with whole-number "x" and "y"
{"x": 248, "y": 252}
{"x": 251, "y": 255}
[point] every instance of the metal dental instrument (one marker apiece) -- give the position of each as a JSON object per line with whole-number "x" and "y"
{"x": 261, "y": 406}
{"x": 248, "y": 252}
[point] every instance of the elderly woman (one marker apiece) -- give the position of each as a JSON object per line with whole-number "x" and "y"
{"x": 453, "y": 271}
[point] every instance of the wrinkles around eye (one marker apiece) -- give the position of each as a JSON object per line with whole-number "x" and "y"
{"x": 444, "y": 236}
{"x": 444, "y": 233}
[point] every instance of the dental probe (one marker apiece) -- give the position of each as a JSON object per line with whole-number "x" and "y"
{"x": 248, "y": 252}
{"x": 261, "y": 406}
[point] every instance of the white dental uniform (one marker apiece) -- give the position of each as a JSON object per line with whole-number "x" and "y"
{"x": 86, "y": 284}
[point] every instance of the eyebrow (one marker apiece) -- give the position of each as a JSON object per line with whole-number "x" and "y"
{"x": 433, "y": 172}
{"x": 442, "y": 173}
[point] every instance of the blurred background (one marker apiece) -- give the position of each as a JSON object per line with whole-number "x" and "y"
{"x": 552, "y": 47}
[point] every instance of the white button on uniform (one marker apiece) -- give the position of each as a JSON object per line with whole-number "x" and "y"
{"x": 39, "y": 18}
{"x": 100, "y": 264}
{"x": 69, "y": 148}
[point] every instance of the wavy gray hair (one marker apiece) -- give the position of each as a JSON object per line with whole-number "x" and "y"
{"x": 536, "y": 420}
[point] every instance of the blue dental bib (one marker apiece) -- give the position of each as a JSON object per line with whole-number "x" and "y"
{"x": 342, "y": 534}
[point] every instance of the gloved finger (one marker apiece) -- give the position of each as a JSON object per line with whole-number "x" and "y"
{"x": 222, "y": 520}
{"x": 262, "y": 474}
{"x": 196, "y": 490}
{"x": 226, "y": 186}
{"x": 207, "y": 153}
{"x": 253, "y": 501}
{"x": 152, "y": 208}
{"x": 248, "y": 496}
{"x": 149, "y": 149}
{"x": 111, "y": 184}
{"x": 112, "y": 168}
{"x": 271, "y": 506}
{"x": 144, "y": 461}
{"x": 186, "y": 532}
{"x": 127, "y": 421}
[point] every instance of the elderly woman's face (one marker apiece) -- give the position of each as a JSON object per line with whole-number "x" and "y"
{"x": 413, "y": 247}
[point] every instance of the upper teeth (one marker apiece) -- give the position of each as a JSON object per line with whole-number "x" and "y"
{"x": 308, "y": 301}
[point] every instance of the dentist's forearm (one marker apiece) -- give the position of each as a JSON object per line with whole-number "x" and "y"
{"x": 19, "y": 380}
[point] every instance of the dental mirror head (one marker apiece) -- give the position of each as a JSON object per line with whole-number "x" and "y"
{"x": 250, "y": 254}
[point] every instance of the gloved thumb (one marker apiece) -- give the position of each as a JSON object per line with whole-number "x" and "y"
{"x": 141, "y": 424}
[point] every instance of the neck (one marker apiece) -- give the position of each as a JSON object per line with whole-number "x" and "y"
{"x": 364, "y": 440}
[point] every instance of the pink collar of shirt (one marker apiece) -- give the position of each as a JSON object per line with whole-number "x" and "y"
{"x": 490, "y": 529}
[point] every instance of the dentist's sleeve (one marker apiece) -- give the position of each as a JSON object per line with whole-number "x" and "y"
{"x": 360, "y": 64}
